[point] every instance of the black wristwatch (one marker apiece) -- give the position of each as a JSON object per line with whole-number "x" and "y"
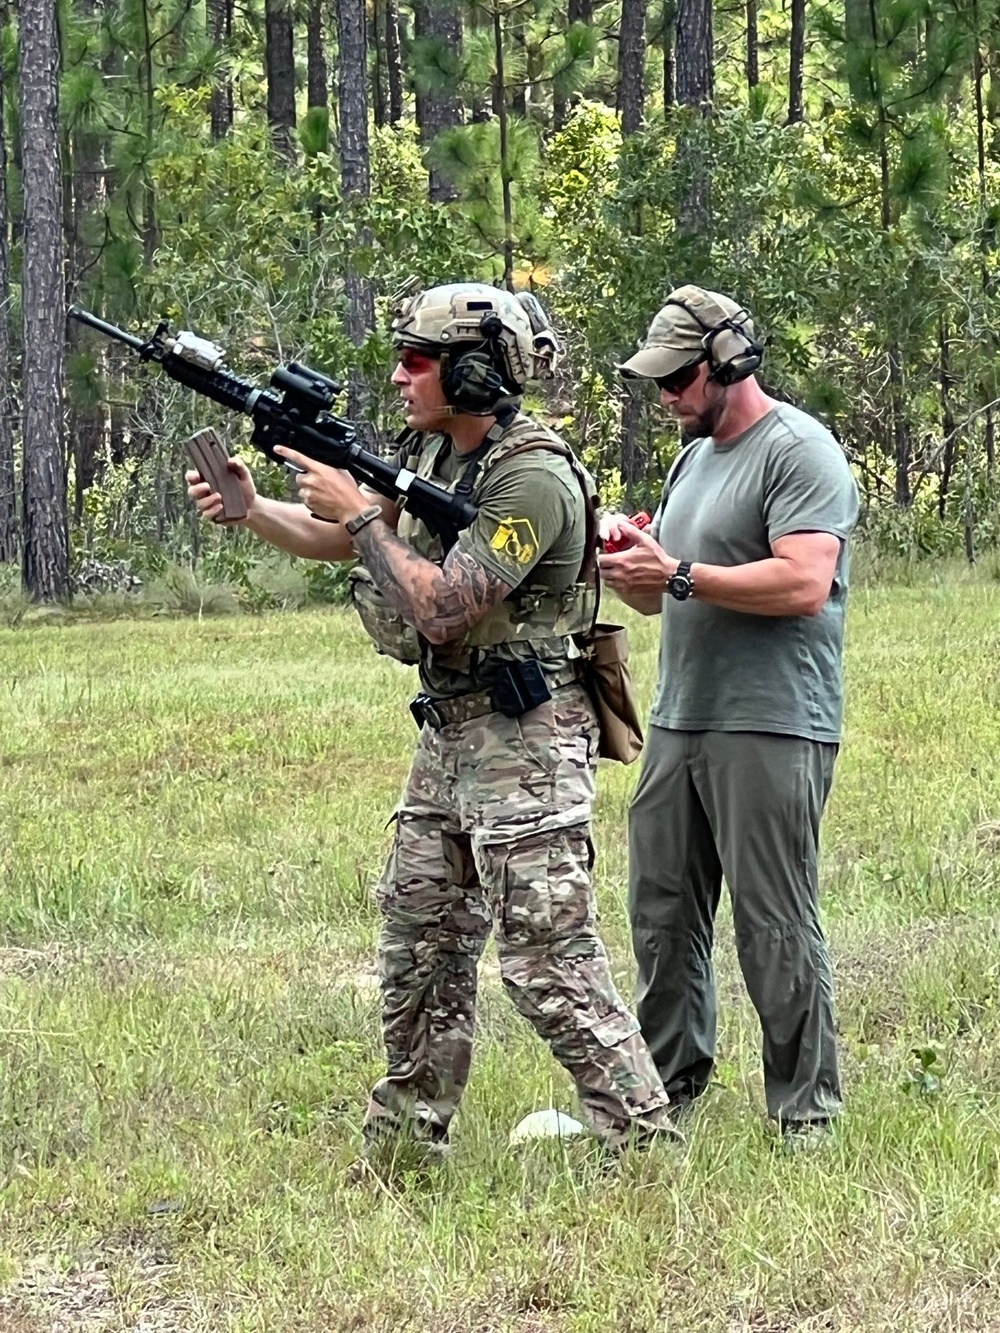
{"x": 681, "y": 584}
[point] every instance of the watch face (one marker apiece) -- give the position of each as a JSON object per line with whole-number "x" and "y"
{"x": 680, "y": 586}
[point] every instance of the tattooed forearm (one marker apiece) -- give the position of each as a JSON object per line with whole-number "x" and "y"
{"x": 442, "y": 602}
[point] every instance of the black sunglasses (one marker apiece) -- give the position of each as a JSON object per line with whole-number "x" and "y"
{"x": 679, "y": 380}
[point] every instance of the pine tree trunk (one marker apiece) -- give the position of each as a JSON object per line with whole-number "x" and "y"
{"x": 380, "y": 84}
{"x": 500, "y": 101}
{"x": 695, "y": 67}
{"x": 696, "y": 88}
{"x": 519, "y": 91}
{"x": 438, "y": 20}
{"x": 219, "y": 29}
{"x": 633, "y": 457}
{"x": 989, "y": 445}
{"x": 8, "y": 405}
{"x": 317, "y": 74}
{"x": 279, "y": 61}
{"x": 393, "y": 61}
{"x": 88, "y": 422}
{"x": 947, "y": 421}
{"x": 993, "y": 93}
{"x": 46, "y": 552}
{"x": 355, "y": 173}
{"x": 753, "y": 67}
{"x": 352, "y": 95}
{"x": 900, "y": 428}
{"x": 632, "y": 65}
{"x": 150, "y": 235}
{"x": 796, "y": 59}
{"x": 669, "y": 70}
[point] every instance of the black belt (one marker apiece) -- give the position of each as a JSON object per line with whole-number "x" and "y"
{"x": 438, "y": 713}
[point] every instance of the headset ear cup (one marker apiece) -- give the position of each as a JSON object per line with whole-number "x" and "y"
{"x": 732, "y": 355}
{"x": 471, "y": 384}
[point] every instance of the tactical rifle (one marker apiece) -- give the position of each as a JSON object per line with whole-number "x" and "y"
{"x": 295, "y": 411}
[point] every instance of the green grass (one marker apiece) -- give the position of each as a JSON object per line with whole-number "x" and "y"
{"x": 193, "y": 813}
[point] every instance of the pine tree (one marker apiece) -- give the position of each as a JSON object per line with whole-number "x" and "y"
{"x": 897, "y": 74}
{"x": 45, "y": 569}
{"x": 279, "y": 58}
{"x": 8, "y": 407}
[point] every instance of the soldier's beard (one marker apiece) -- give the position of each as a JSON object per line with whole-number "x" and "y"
{"x": 699, "y": 425}
{"x": 705, "y": 423}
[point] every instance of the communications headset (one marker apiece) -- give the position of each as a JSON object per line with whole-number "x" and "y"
{"x": 731, "y": 353}
{"x": 475, "y": 380}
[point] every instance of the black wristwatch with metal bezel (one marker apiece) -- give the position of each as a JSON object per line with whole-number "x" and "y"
{"x": 681, "y": 584}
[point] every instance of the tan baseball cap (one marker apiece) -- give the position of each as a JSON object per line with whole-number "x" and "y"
{"x": 676, "y": 338}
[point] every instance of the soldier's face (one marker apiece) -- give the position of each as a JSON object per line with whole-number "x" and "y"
{"x": 418, "y": 378}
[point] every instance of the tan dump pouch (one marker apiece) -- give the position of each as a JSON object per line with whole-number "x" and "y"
{"x": 393, "y": 636}
{"x": 608, "y": 681}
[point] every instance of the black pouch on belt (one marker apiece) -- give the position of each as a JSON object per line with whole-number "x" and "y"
{"x": 519, "y": 687}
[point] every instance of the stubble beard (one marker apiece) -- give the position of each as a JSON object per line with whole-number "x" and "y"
{"x": 708, "y": 420}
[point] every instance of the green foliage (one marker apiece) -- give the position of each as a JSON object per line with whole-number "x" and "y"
{"x": 314, "y": 131}
{"x": 845, "y": 265}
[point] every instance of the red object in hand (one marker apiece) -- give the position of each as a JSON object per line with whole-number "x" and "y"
{"x": 640, "y": 520}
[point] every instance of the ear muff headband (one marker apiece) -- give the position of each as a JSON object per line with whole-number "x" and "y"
{"x": 732, "y": 354}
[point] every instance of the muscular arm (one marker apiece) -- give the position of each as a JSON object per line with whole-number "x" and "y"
{"x": 795, "y": 581}
{"x": 441, "y": 601}
{"x": 292, "y": 528}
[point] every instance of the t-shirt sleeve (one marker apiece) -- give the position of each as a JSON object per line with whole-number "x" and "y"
{"x": 810, "y": 488}
{"x": 523, "y": 510}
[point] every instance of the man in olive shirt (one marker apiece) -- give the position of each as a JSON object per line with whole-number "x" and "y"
{"x": 746, "y": 559}
{"x": 492, "y": 832}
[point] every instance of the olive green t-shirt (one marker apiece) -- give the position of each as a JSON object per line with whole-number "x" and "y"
{"x": 725, "y": 504}
{"x": 530, "y": 530}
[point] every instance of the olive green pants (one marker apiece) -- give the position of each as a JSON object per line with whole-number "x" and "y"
{"x": 746, "y": 805}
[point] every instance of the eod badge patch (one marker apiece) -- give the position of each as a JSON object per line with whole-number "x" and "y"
{"x": 515, "y": 538}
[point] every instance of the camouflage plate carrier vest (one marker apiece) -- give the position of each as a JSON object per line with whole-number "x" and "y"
{"x": 531, "y": 615}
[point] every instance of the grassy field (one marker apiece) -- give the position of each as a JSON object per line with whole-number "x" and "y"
{"x": 192, "y": 816}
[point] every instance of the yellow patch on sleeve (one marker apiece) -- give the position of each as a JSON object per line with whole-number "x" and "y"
{"x": 515, "y": 538}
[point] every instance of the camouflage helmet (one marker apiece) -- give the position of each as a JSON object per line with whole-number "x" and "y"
{"x": 463, "y": 313}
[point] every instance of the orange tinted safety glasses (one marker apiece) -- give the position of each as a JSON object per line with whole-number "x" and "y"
{"x": 414, "y": 362}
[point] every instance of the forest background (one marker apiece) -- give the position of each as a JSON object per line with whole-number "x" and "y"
{"x": 269, "y": 173}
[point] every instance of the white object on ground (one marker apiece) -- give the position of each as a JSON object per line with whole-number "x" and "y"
{"x": 549, "y": 1124}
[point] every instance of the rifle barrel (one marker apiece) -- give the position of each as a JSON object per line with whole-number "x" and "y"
{"x": 102, "y": 326}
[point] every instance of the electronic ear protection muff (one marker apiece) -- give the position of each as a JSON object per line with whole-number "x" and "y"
{"x": 473, "y": 382}
{"x": 732, "y": 354}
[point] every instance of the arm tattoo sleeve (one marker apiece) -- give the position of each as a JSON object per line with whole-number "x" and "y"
{"x": 440, "y": 601}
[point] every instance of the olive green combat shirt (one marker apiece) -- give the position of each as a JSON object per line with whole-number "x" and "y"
{"x": 725, "y": 504}
{"x": 531, "y": 528}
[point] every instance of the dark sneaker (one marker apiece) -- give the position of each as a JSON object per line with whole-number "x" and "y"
{"x": 390, "y": 1151}
{"x": 804, "y": 1136}
{"x": 681, "y": 1109}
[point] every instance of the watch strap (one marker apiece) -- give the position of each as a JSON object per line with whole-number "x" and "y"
{"x": 680, "y": 584}
{"x": 354, "y": 525}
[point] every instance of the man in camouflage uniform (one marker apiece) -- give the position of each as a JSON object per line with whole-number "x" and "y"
{"x": 493, "y": 829}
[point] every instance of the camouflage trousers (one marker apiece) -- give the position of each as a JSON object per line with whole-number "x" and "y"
{"x": 492, "y": 833}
